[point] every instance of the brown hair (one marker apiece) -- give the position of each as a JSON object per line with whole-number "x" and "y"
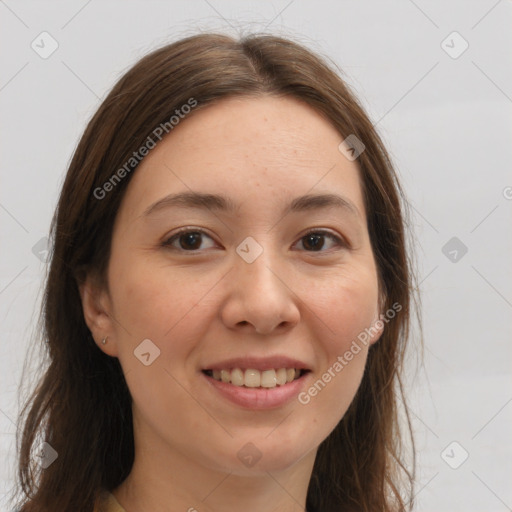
{"x": 82, "y": 406}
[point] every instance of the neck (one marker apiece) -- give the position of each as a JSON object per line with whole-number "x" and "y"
{"x": 163, "y": 479}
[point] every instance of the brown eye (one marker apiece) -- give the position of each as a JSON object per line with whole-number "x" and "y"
{"x": 186, "y": 240}
{"x": 191, "y": 240}
{"x": 314, "y": 241}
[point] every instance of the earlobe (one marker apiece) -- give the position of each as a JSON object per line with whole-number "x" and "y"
{"x": 377, "y": 329}
{"x": 96, "y": 314}
{"x": 378, "y": 324}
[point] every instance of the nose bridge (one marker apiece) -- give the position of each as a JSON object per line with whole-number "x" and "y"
{"x": 258, "y": 294}
{"x": 257, "y": 263}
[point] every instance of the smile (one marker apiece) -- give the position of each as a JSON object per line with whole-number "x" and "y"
{"x": 253, "y": 378}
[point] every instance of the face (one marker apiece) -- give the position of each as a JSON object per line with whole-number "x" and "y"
{"x": 214, "y": 297}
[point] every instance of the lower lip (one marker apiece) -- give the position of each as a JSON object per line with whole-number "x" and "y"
{"x": 258, "y": 398}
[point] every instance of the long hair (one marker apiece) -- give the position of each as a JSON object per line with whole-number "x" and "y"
{"x": 81, "y": 406}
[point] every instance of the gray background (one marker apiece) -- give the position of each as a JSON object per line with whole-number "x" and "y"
{"x": 446, "y": 118}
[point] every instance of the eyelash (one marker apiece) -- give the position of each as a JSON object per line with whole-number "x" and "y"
{"x": 168, "y": 242}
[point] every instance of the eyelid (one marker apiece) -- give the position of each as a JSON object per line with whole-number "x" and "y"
{"x": 339, "y": 239}
{"x": 186, "y": 229}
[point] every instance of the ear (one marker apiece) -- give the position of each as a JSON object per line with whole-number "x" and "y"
{"x": 377, "y": 327}
{"x": 96, "y": 306}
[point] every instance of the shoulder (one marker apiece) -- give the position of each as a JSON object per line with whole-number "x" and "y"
{"x": 107, "y": 503}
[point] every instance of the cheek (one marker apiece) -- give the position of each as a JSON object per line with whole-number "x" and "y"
{"x": 345, "y": 306}
{"x": 154, "y": 298}
{"x": 345, "y": 311}
{"x": 166, "y": 306}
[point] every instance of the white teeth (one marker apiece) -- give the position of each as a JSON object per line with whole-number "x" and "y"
{"x": 281, "y": 376}
{"x": 237, "y": 377}
{"x": 252, "y": 378}
{"x": 268, "y": 379}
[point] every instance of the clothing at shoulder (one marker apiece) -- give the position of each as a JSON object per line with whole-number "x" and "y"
{"x": 108, "y": 503}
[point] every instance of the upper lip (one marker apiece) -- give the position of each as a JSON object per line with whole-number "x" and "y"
{"x": 258, "y": 363}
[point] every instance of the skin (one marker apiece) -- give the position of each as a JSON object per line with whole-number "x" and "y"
{"x": 205, "y": 306}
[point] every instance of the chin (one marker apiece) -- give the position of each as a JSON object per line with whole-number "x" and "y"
{"x": 259, "y": 455}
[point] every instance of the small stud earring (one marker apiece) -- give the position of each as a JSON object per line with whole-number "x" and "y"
{"x": 104, "y": 340}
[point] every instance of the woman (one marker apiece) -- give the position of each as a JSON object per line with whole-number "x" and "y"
{"x": 229, "y": 294}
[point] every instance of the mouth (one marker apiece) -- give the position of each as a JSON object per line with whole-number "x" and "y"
{"x": 253, "y": 378}
{"x": 257, "y": 383}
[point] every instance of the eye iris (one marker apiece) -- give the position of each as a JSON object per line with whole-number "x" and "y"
{"x": 192, "y": 239}
{"x": 314, "y": 240}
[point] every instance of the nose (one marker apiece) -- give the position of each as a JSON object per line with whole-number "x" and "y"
{"x": 260, "y": 297}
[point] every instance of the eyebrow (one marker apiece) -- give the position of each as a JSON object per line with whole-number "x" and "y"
{"x": 216, "y": 202}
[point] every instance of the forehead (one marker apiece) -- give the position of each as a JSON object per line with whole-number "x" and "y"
{"x": 252, "y": 148}
{"x": 273, "y": 128}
